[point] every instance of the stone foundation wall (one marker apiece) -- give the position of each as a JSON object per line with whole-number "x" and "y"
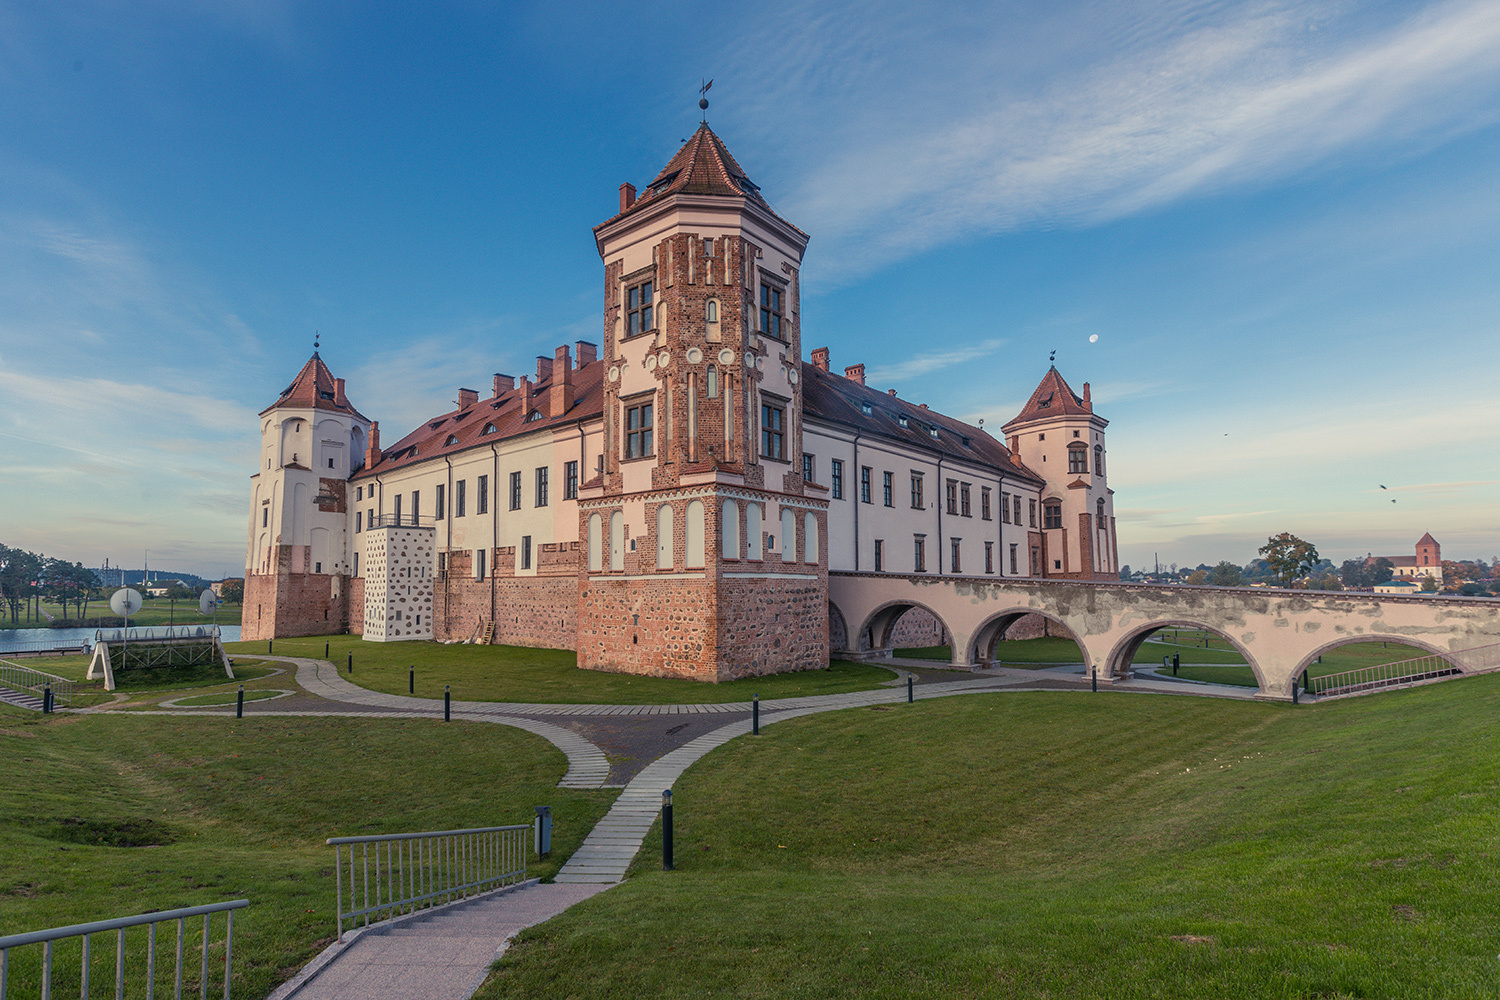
{"x": 918, "y": 628}
{"x": 527, "y": 610}
{"x": 289, "y": 604}
{"x": 660, "y": 628}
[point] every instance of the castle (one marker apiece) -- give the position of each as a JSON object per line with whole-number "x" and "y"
{"x": 673, "y": 504}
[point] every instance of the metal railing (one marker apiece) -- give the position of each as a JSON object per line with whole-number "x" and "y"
{"x": 8, "y": 645}
{"x": 1404, "y": 673}
{"x": 34, "y": 682}
{"x": 401, "y": 521}
{"x": 412, "y": 871}
{"x": 119, "y": 925}
{"x": 156, "y": 633}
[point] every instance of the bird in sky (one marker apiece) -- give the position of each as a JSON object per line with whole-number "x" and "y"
{"x": 1382, "y": 485}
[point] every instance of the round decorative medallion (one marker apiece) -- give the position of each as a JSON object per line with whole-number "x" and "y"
{"x": 651, "y": 362}
{"x": 663, "y": 359}
{"x": 760, "y": 363}
{"x": 614, "y": 374}
{"x": 694, "y": 355}
{"x": 726, "y": 357}
{"x": 792, "y": 376}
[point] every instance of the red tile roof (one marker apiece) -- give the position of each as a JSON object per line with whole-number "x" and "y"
{"x": 466, "y": 427}
{"x": 841, "y": 400}
{"x": 314, "y": 388}
{"x": 1052, "y": 398}
{"x": 1427, "y": 539}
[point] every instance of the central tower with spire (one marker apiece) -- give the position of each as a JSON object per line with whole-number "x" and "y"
{"x": 706, "y": 554}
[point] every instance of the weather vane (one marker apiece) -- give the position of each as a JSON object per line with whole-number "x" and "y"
{"x": 316, "y": 336}
{"x": 703, "y": 100}
{"x": 1052, "y": 358}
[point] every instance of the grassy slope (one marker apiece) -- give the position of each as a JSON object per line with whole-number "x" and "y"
{"x": 1065, "y": 845}
{"x": 246, "y": 806}
{"x": 519, "y": 673}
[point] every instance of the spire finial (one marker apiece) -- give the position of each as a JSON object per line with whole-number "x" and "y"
{"x": 703, "y": 100}
{"x": 316, "y": 337}
{"x": 1052, "y": 358}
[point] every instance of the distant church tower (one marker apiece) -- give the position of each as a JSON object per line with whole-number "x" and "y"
{"x": 1058, "y": 435}
{"x": 706, "y": 555}
{"x": 297, "y": 560}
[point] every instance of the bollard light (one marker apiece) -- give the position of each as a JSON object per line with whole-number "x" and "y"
{"x": 909, "y": 697}
{"x": 325, "y": 650}
{"x": 755, "y": 715}
{"x": 666, "y": 829}
{"x": 447, "y": 703}
{"x": 239, "y": 704}
{"x": 411, "y": 681}
{"x": 1095, "y": 680}
{"x": 351, "y": 663}
{"x": 543, "y": 831}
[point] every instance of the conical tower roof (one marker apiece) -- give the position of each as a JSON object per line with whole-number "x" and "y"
{"x": 1052, "y": 398}
{"x": 314, "y": 388}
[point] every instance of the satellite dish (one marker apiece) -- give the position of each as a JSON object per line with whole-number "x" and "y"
{"x": 207, "y": 602}
{"x": 125, "y": 602}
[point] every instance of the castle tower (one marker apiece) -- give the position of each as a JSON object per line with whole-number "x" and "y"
{"x": 1058, "y": 435}
{"x": 705, "y": 554}
{"x": 298, "y": 554}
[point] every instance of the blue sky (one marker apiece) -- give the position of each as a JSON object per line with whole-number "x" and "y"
{"x": 1280, "y": 219}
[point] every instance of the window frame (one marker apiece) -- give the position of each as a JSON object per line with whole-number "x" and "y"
{"x": 641, "y": 437}
{"x": 888, "y": 487}
{"x": 773, "y": 435}
{"x": 955, "y": 559}
{"x": 570, "y": 480}
{"x": 1052, "y": 512}
{"x": 541, "y": 486}
{"x": 918, "y": 497}
{"x": 482, "y": 495}
{"x": 836, "y": 477}
{"x": 441, "y": 500}
{"x": 880, "y": 555}
{"x": 950, "y": 493}
{"x": 919, "y": 553}
{"x": 808, "y": 468}
{"x": 515, "y": 490}
{"x": 965, "y": 499}
{"x": 639, "y": 302}
{"x": 772, "y": 309}
{"x": 461, "y": 498}
{"x": 864, "y": 484}
{"x": 1078, "y": 459}
{"x": 986, "y": 510}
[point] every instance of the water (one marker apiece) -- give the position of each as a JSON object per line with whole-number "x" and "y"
{"x": 14, "y": 640}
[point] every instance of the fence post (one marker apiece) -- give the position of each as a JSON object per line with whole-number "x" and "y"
{"x": 666, "y": 830}
{"x": 755, "y": 715}
{"x": 47, "y": 700}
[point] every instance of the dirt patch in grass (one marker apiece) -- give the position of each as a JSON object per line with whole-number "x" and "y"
{"x": 101, "y": 833}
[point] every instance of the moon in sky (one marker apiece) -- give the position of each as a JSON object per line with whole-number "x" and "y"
{"x": 1094, "y": 338}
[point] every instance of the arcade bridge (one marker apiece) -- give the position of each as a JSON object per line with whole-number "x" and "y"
{"x": 1279, "y": 632}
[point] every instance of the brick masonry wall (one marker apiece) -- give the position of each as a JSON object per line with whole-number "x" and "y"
{"x": 918, "y": 627}
{"x": 537, "y": 611}
{"x": 294, "y": 604}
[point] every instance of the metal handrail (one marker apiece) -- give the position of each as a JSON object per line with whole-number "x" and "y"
{"x": 119, "y": 925}
{"x": 418, "y": 870}
{"x": 24, "y": 679}
{"x": 156, "y": 632}
{"x": 1400, "y": 673}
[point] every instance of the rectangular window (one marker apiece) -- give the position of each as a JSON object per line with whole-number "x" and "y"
{"x": 1078, "y": 460}
{"x": 771, "y": 311}
{"x": 916, "y": 492}
{"x": 359, "y": 520}
{"x": 525, "y": 551}
{"x": 952, "y": 486}
{"x": 370, "y": 517}
{"x": 479, "y": 566}
{"x": 482, "y": 495}
{"x": 442, "y": 507}
{"x": 989, "y": 557}
{"x": 1015, "y": 507}
{"x": 984, "y": 502}
{"x": 638, "y": 309}
{"x": 1013, "y": 570}
{"x": 570, "y": 480}
{"x": 515, "y": 491}
{"x": 638, "y": 431}
{"x": 864, "y": 484}
{"x": 1031, "y": 506}
{"x": 397, "y": 511}
{"x": 442, "y": 564}
{"x": 807, "y": 468}
{"x": 359, "y": 492}
{"x": 953, "y": 556}
{"x": 541, "y": 486}
{"x": 461, "y": 498}
{"x": 919, "y": 554}
{"x": 416, "y": 507}
{"x": 963, "y": 501}
{"x": 772, "y": 431}
{"x": 1005, "y": 507}
{"x": 836, "y": 473}
{"x": 1052, "y": 515}
{"x": 889, "y": 484}
{"x": 879, "y": 555}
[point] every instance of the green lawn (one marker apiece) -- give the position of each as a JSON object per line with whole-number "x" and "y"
{"x": 1362, "y": 654}
{"x": 241, "y": 809}
{"x": 523, "y": 674}
{"x": 1065, "y": 846}
{"x": 139, "y": 682}
{"x": 156, "y": 611}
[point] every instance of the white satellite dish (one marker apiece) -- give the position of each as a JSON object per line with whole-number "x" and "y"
{"x": 125, "y": 602}
{"x": 207, "y": 602}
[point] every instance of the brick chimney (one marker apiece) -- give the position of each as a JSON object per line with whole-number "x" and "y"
{"x": 855, "y": 373}
{"x": 543, "y": 367}
{"x": 467, "y": 398}
{"x": 891, "y": 391}
{"x": 820, "y": 358}
{"x": 503, "y": 383}
{"x": 562, "y": 385}
{"x": 372, "y": 451}
{"x": 586, "y": 352}
{"x": 526, "y": 399}
{"x": 1086, "y": 404}
{"x": 922, "y": 405}
{"x": 338, "y": 392}
{"x": 627, "y": 196}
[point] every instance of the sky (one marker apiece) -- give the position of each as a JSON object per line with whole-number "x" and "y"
{"x": 1280, "y": 220}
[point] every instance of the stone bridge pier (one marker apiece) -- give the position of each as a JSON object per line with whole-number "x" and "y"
{"x": 1279, "y": 632}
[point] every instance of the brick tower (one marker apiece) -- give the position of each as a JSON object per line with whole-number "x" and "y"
{"x": 706, "y": 554}
{"x": 297, "y": 559}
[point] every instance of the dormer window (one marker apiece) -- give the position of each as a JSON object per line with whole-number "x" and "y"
{"x": 933, "y": 431}
{"x": 325, "y": 394}
{"x": 533, "y": 415}
{"x": 866, "y": 408}
{"x": 452, "y": 439}
{"x": 488, "y": 429}
{"x": 902, "y": 420}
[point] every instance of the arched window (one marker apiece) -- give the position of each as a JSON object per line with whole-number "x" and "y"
{"x": 711, "y": 311}
{"x": 596, "y": 543}
{"x": 452, "y": 439}
{"x": 1099, "y": 523}
{"x": 788, "y": 535}
{"x": 617, "y": 541}
{"x": 1078, "y": 459}
{"x": 693, "y": 535}
{"x": 752, "y": 531}
{"x": 712, "y": 382}
{"x": 810, "y": 538}
{"x": 1052, "y": 514}
{"x": 1098, "y": 459}
{"x": 488, "y": 429}
{"x": 664, "y": 530}
{"x": 729, "y": 529}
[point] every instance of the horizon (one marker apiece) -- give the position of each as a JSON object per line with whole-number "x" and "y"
{"x": 1278, "y": 220}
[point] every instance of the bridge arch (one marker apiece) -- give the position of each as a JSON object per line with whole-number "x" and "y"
{"x": 1123, "y": 653}
{"x": 838, "y": 630}
{"x": 1350, "y": 640}
{"x": 875, "y": 631}
{"x": 984, "y": 639}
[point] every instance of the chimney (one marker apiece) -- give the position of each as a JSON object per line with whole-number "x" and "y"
{"x": 923, "y": 405}
{"x": 627, "y": 196}
{"x": 526, "y": 400}
{"x": 562, "y": 386}
{"x": 467, "y": 398}
{"x": 338, "y": 392}
{"x": 543, "y": 367}
{"x": 587, "y": 353}
{"x": 1086, "y": 404}
{"x": 503, "y": 383}
{"x": 891, "y": 391}
{"x": 855, "y": 373}
{"x": 372, "y": 451}
{"x": 820, "y": 358}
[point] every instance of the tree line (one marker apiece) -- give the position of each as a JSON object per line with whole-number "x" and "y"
{"x": 28, "y": 578}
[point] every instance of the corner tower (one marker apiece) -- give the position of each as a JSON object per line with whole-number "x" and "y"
{"x": 1058, "y": 435}
{"x": 705, "y": 545}
{"x": 298, "y": 557}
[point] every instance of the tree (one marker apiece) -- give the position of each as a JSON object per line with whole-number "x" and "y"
{"x": 1380, "y": 572}
{"x": 1352, "y": 572}
{"x": 1429, "y": 585}
{"x": 1226, "y": 574}
{"x": 1198, "y": 577}
{"x": 234, "y": 591}
{"x": 1289, "y": 556}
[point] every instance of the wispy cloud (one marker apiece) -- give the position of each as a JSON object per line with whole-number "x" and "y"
{"x": 925, "y": 364}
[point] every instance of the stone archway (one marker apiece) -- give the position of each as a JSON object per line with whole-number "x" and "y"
{"x": 1353, "y": 640}
{"x": 876, "y": 633}
{"x": 999, "y": 627}
{"x": 838, "y": 630}
{"x": 1124, "y": 652}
